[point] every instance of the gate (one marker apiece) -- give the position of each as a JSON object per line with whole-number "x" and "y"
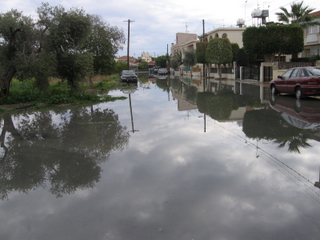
{"x": 267, "y": 74}
{"x": 252, "y": 72}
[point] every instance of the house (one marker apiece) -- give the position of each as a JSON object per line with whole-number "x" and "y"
{"x": 125, "y": 59}
{"x": 145, "y": 57}
{"x": 233, "y": 34}
{"x": 184, "y": 42}
{"x": 312, "y": 38}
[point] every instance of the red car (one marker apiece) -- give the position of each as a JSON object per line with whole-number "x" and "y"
{"x": 301, "y": 81}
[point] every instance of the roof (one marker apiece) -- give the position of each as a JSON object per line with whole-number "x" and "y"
{"x": 152, "y": 63}
{"x": 126, "y": 57}
{"x": 315, "y": 14}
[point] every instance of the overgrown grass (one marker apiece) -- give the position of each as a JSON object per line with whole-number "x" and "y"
{"x": 59, "y": 92}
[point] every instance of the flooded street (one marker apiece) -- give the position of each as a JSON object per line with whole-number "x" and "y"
{"x": 169, "y": 162}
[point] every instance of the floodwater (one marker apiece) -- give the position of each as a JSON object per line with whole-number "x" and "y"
{"x": 169, "y": 162}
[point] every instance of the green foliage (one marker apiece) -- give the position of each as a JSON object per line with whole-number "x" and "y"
{"x": 189, "y": 59}
{"x": 298, "y": 15}
{"x": 201, "y": 52}
{"x": 104, "y": 42}
{"x": 174, "y": 63}
{"x": 119, "y": 66}
{"x": 273, "y": 39}
{"x": 161, "y": 61}
{"x": 235, "y": 50}
{"x": 143, "y": 65}
{"x": 219, "y": 51}
{"x": 242, "y": 58}
{"x": 69, "y": 44}
{"x": 177, "y": 56}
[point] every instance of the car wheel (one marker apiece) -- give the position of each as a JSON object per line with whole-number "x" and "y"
{"x": 299, "y": 93}
{"x": 274, "y": 90}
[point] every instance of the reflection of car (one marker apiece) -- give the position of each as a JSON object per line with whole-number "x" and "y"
{"x": 299, "y": 81}
{"x": 155, "y": 69}
{"x": 128, "y": 76}
{"x": 304, "y": 114}
{"x": 162, "y": 71}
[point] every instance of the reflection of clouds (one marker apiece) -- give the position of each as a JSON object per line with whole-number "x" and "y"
{"x": 192, "y": 185}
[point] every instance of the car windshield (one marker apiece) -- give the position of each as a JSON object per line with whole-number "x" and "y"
{"x": 127, "y": 72}
{"x": 313, "y": 71}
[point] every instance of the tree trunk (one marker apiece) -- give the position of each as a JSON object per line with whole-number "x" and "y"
{"x": 5, "y": 81}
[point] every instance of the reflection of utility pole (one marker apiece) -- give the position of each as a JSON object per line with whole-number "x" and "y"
{"x": 317, "y": 184}
{"x": 204, "y": 123}
{"x": 132, "y": 123}
{"x": 128, "y": 42}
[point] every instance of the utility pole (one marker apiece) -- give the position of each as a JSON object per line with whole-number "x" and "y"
{"x": 129, "y": 21}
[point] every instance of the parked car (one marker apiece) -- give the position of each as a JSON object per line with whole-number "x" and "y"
{"x": 162, "y": 71}
{"x": 128, "y": 76}
{"x": 301, "y": 81}
{"x": 155, "y": 69}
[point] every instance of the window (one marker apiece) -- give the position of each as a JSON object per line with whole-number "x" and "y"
{"x": 224, "y": 35}
{"x": 295, "y": 73}
{"x": 313, "y": 29}
{"x": 287, "y": 73}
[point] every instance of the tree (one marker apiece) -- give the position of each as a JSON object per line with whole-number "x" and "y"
{"x": 143, "y": 65}
{"x": 161, "y": 61}
{"x": 299, "y": 15}
{"x": 273, "y": 39}
{"x": 235, "y": 50}
{"x": 104, "y": 42}
{"x": 16, "y": 34}
{"x": 189, "y": 59}
{"x": 68, "y": 35}
{"x": 219, "y": 51}
{"x": 201, "y": 52}
{"x": 178, "y": 57}
{"x": 67, "y": 44}
{"x": 242, "y": 58}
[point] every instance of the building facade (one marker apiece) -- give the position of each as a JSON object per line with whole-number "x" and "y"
{"x": 233, "y": 34}
{"x": 312, "y": 38}
{"x": 184, "y": 42}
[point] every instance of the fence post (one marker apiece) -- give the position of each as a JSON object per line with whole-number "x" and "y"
{"x": 261, "y": 77}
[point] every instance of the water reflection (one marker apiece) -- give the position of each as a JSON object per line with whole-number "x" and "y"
{"x": 58, "y": 148}
{"x": 172, "y": 180}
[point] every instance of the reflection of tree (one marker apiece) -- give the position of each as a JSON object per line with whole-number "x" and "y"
{"x": 268, "y": 124}
{"x": 176, "y": 84}
{"x": 163, "y": 84}
{"x": 64, "y": 152}
{"x": 217, "y": 106}
{"x": 294, "y": 143}
{"x": 190, "y": 93}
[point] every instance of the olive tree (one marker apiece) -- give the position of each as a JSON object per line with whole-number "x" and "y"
{"x": 189, "y": 59}
{"x": 16, "y": 34}
{"x": 67, "y": 44}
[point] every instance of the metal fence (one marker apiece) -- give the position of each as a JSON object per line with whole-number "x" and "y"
{"x": 288, "y": 65}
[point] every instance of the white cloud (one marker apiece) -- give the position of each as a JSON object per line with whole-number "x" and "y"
{"x": 156, "y": 22}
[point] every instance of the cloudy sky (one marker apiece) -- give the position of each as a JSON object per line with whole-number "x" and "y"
{"x": 155, "y": 23}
